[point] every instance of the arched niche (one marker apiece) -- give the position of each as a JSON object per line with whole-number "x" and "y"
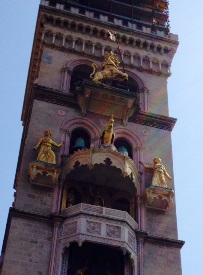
{"x": 80, "y": 123}
{"x": 131, "y": 138}
{"x": 73, "y": 71}
{"x": 80, "y": 139}
{"x": 120, "y": 143}
{"x": 79, "y": 74}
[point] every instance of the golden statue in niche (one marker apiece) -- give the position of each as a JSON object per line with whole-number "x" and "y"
{"x": 160, "y": 173}
{"x": 109, "y": 69}
{"x": 45, "y": 152}
{"x": 108, "y": 135}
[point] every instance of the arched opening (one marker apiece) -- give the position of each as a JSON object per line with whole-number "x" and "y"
{"x": 80, "y": 73}
{"x": 94, "y": 259}
{"x": 122, "y": 204}
{"x": 124, "y": 147}
{"x": 80, "y": 139}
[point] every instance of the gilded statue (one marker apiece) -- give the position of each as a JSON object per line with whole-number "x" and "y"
{"x": 109, "y": 69}
{"x": 160, "y": 173}
{"x": 45, "y": 152}
{"x": 108, "y": 135}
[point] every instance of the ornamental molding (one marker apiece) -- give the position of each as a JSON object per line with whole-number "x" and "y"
{"x": 103, "y": 156}
{"x": 154, "y": 120}
{"x": 144, "y": 118}
{"x": 159, "y": 198}
{"x": 43, "y": 174}
{"x": 127, "y": 36}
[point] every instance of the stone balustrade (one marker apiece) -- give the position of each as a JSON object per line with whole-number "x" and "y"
{"x": 85, "y": 222}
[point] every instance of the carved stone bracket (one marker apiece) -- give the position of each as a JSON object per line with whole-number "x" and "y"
{"x": 83, "y": 101}
{"x": 106, "y": 100}
{"x": 159, "y": 198}
{"x": 43, "y": 174}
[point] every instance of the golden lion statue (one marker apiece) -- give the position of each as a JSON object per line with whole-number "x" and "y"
{"x": 109, "y": 70}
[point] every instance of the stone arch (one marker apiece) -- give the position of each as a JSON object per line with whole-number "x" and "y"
{"x": 84, "y": 123}
{"x": 165, "y": 67}
{"x": 48, "y": 37}
{"x": 67, "y": 72}
{"x": 133, "y": 139}
{"x": 127, "y": 57}
{"x": 58, "y": 39}
{"x": 139, "y": 81}
{"x": 72, "y": 64}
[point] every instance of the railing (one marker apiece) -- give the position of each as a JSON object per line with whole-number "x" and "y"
{"x": 102, "y": 212}
{"x": 131, "y": 23}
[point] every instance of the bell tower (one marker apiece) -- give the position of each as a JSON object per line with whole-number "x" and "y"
{"x": 94, "y": 181}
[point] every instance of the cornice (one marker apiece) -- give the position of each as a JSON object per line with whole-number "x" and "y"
{"x": 104, "y": 25}
{"x": 154, "y": 120}
{"x": 54, "y": 96}
{"x": 144, "y": 118}
{"x": 13, "y": 212}
{"x": 52, "y": 218}
{"x": 146, "y": 237}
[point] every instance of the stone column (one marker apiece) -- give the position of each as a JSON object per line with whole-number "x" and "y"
{"x": 131, "y": 59}
{"x": 150, "y": 63}
{"x": 83, "y": 46}
{"x": 140, "y": 252}
{"x": 141, "y": 61}
{"x": 57, "y": 224}
{"x": 64, "y": 41}
{"x": 160, "y": 67}
{"x": 144, "y": 93}
{"x": 73, "y": 45}
{"x": 53, "y": 39}
{"x": 93, "y": 48}
{"x": 65, "y": 80}
{"x": 103, "y": 50}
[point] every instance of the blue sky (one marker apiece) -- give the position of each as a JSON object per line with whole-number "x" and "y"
{"x": 17, "y": 24}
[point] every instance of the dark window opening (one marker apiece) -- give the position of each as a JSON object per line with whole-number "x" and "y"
{"x": 129, "y": 85}
{"x": 95, "y": 259}
{"x": 80, "y": 74}
{"x": 80, "y": 139}
{"x": 122, "y": 204}
{"x": 122, "y": 143}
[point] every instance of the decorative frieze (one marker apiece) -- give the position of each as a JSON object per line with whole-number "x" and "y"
{"x": 113, "y": 231}
{"x": 93, "y": 227}
{"x": 85, "y": 222}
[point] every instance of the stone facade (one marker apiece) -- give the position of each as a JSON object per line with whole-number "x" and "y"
{"x": 45, "y": 222}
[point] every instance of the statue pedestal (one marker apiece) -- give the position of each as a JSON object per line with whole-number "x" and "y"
{"x": 43, "y": 174}
{"x": 159, "y": 198}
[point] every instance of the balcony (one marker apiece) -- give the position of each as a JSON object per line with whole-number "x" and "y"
{"x": 104, "y": 167}
{"x": 101, "y": 225}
